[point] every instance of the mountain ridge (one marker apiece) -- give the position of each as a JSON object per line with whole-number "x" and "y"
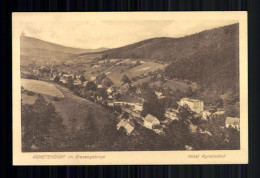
{"x": 31, "y": 42}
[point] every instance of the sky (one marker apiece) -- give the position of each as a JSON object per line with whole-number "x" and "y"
{"x": 112, "y": 34}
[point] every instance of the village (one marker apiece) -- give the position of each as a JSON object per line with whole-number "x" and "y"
{"x": 128, "y": 105}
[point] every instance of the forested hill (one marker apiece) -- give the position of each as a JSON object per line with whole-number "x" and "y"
{"x": 172, "y": 49}
{"x": 214, "y": 65}
{"x": 210, "y": 58}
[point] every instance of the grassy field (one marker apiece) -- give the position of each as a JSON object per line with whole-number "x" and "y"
{"x": 115, "y": 73}
{"x": 145, "y": 68}
{"x": 26, "y": 99}
{"x": 41, "y": 87}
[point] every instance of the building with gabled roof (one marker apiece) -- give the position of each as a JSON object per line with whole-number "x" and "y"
{"x": 233, "y": 122}
{"x": 194, "y": 104}
{"x": 150, "y": 121}
{"x": 127, "y": 125}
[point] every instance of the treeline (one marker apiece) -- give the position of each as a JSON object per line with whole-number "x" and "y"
{"x": 173, "y": 49}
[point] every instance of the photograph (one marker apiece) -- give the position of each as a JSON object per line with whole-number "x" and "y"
{"x": 124, "y": 85}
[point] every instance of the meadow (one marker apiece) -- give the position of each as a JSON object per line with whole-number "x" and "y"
{"x": 41, "y": 87}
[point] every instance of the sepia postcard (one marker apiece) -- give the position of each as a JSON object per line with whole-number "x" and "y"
{"x": 130, "y": 88}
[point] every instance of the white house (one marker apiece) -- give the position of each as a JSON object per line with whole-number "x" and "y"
{"x": 219, "y": 112}
{"x": 92, "y": 78}
{"x": 150, "y": 121}
{"x": 125, "y": 124}
{"x": 159, "y": 95}
{"x": 77, "y": 82}
{"x": 233, "y": 122}
{"x": 85, "y": 83}
{"x": 110, "y": 104}
{"x": 195, "y": 105}
{"x": 206, "y": 114}
{"x": 111, "y": 89}
{"x": 171, "y": 114}
{"x": 138, "y": 106}
{"x": 63, "y": 80}
{"x": 95, "y": 66}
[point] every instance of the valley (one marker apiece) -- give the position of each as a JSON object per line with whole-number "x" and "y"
{"x": 143, "y": 94}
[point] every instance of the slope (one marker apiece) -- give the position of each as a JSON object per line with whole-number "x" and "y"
{"x": 36, "y": 50}
{"x": 171, "y": 49}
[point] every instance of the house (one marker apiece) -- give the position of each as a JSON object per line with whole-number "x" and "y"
{"x": 188, "y": 147}
{"x": 233, "y": 122}
{"x": 159, "y": 95}
{"x": 138, "y": 106}
{"x": 192, "y": 127}
{"x": 219, "y": 112}
{"x": 138, "y": 91}
{"x": 150, "y": 121}
{"x": 206, "y": 114}
{"x": 195, "y": 105}
{"x": 111, "y": 89}
{"x": 52, "y": 78}
{"x": 92, "y": 78}
{"x": 85, "y": 83}
{"x": 159, "y": 131}
{"x": 95, "y": 66}
{"x": 110, "y": 104}
{"x": 68, "y": 75}
{"x": 77, "y": 82}
{"x": 205, "y": 132}
{"x": 99, "y": 86}
{"x": 171, "y": 114}
{"x": 127, "y": 125}
{"x": 63, "y": 80}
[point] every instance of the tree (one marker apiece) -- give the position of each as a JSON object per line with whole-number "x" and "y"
{"x": 102, "y": 93}
{"x": 56, "y": 79}
{"x": 138, "y": 62}
{"x": 125, "y": 79}
{"x": 39, "y": 122}
{"x": 149, "y": 94}
{"x": 175, "y": 134}
{"x": 100, "y": 78}
{"x": 117, "y": 96}
{"x": 91, "y": 86}
{"x": 189, "y": 92}
{"x": 107, "y": 82}
{"x": 82, "y": 78}
{"x": 132, "y": 89}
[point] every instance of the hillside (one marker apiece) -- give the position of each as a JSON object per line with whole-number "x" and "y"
{"x": 210, "y": 58}
{"x": 30, "y": 42}
{"x": 33, "y": 49}
{"x": 173, "y": 49}
{"x": 68, "y": 105}
{"x": 216, "y": 66}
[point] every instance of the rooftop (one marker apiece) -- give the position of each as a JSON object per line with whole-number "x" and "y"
{"x": 191, "y": 100}
{"x": 232, "y": 120}
{"x": 151, "y": 118}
